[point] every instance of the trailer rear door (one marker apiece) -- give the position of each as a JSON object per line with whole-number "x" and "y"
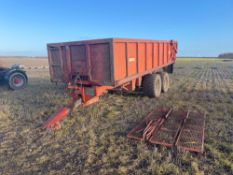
{"x": 55, "y": 64}
{"x": 58, "y": 63}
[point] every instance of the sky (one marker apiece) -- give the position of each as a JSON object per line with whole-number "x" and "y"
{"x": 201, "y": 27}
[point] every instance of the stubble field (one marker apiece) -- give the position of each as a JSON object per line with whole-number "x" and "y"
{"x": 93, "y": 140}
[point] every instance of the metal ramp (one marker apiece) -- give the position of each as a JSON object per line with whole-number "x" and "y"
{"x": 150, "y": 123}
{"x": 192, "y": 136}
{"x": 184, "y": 130}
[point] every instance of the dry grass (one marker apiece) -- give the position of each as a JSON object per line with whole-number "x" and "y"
{"x": 93, "y": 140}
{"x": 27, "y": 62}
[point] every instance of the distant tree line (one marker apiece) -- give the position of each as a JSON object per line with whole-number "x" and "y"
{"x": 226, "y": 55}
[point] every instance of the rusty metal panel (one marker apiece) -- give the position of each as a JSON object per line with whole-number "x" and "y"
{"x": 78, "y": 59}
{"x": 55, "y": 56}
{"x": 58, "y": 63}
{"x": 55, "y": 63}
{"x": 78, "y": 52}
{"x": 100, "y": 63}
{"x": 64, "y": 64}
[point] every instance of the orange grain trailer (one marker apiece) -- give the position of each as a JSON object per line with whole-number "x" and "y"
{"x": 92, "y": 67}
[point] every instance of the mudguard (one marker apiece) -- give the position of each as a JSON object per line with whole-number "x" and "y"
{"x": 11, "y": 71}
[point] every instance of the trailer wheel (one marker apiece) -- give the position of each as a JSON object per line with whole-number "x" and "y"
{"x": 17, "y": 80}
{"x": 152, "y": 85}
{"x": 165, "y": 82}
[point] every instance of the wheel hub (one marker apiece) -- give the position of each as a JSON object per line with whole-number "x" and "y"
{"x": 17, "y": 81}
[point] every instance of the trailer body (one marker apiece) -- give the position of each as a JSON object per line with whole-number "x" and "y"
{"x": 110, "y": 62}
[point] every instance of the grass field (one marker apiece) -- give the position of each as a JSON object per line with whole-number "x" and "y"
{"x": 27, "y": 62}
{"x": 93, "y": 140}
{"x": 201, "y": 59}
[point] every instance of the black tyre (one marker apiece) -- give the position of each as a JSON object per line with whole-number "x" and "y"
{"x": 165, "y": 81}
{"x": 152, "y": 85}
{"x": 17, "y": 80}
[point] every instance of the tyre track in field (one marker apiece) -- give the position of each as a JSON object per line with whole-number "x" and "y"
{"x": 223, "y": 87}
{"x": 213, "y": 84}
{"x": 209, "y": 86}
{"x": 192, "y": 87}
{"x": 202, "y": 85}
{"x": 227, "y": 75}
{"x": 220, "y": 85}
{"x": 192, "y": 83}
{"x": 181, "y": 83}
{"x": 187, "y": 84}
{"x": 196, "y": 85}
{"x": 217, "y": 86}
{"x": 224, "y": 104}
{"x": 197, "y": 78}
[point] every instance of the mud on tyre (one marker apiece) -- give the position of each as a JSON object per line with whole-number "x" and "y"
{"x": 152, "y": 85}
{"x": 165, "y": 81}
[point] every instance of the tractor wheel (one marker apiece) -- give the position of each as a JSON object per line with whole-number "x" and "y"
{"x": 165, "y": 82}
{"x": 152, "y": 85}
{"x": 17, "y": 81}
